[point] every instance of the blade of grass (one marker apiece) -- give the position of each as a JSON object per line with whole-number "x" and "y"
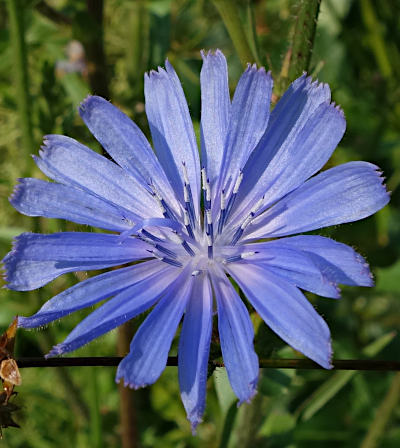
{"x": 337, "y": 381}
{"x": 96, "y": 438}
{"x": 383, "y": 414}
{"x": 229, "y": 12}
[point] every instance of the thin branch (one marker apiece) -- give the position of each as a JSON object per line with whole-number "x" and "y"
{"x": 229, "y": 12}
{"x": 338, "y": 364}
{"x": 52, "y": 14}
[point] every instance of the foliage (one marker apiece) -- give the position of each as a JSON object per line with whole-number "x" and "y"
{"x": 356, "y": 52}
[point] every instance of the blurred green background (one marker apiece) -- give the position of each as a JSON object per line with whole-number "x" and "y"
{"x": 44, "y": 76}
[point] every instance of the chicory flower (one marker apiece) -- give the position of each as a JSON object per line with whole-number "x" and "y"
{"x": 193, "y": 222}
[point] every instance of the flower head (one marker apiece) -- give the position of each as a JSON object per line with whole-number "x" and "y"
{"x": 191, "y": 223}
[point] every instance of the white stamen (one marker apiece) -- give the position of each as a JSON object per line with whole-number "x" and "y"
{"x": 247, "y": 221}
{"x": 196, "y": 272}
{"x": 203, "y": 178}
{"x": 258, "y": 205}
{"x": 186, "y": 218}
{"x": 223, "y": 200}
{"x": 185, "y": 173}
{"x": 173, "y": 236}
{"x": 158, "y": 199}
{"x": 208, "y": 191}
{"x": 209, "y": 240}
{"x": 159, "y": 257}
{"x": 185, "y": 193}
{"x": 209, "y": 216}
{"x": 247, "y": 254}
{"x": 155, "y": 191}
{"x": 238, "y": 182}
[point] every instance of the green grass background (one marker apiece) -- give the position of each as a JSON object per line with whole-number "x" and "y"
{"x": 356, "y": 50}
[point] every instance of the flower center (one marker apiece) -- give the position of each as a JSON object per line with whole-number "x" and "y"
{"x": 197, "y": 240}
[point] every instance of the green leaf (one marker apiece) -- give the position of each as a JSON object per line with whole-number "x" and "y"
{"x": 338, "y": 380}
{"x": 225, "y": 394}
{"x": 277, "y": 423}
{"x": 387, "y": 279}
{"x": 8, "y": 233}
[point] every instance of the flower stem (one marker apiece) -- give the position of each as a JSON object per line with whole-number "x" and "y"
{"x": 229, "y": 13}
{"x": 16, "y": 10}
{"x": 93, "y": 41}
{"x": 298, "y": 56}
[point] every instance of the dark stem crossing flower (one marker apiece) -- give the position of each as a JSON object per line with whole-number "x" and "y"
{"x": 191, "y": 223}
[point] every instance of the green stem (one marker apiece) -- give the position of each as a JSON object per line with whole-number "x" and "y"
{"x": 229, "y": 13}
{"x": 250, "y": 418}
{"x": 93, "y": 41}
{"x": 383, "y": 414}
{"x": 298, "y": 57}
{"x": 376, "y": 38}
{"x": 138, "y": 47}
{"x": 96, "y": 440}
{"x": 16, "y": 10}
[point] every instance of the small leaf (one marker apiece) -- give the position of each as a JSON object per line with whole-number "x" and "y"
{"x": 336, "y": 382}
{"x": 225, "y": 394}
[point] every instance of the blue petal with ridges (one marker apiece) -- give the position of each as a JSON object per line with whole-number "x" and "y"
{"x": 172, "y": 130}
{"x": 124, "y": 306}
{"x": 337, "y": 261}
{"x": 91, "y": 291}
{"x": 126, "y": 144}
{"x": 149, "y": 349}
{"x": 286, "y": 311}
{"x": 248, "y": 121}
{"x": 346, "y": 193}
{"x": 236, "y": 334}
{"x": 194, "y": 348}
{"x": 301, "y": 155}
{"x": 287, "y": 119}
{"x": 69, "y": 162}
{"x": 215, "y": 111}
{"x": 35, "y": 197}
{"x": 294, "y": 265}
{"x": 37, "y": 259}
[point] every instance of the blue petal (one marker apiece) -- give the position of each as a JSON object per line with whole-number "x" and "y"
{"x": 34, "y": 197}
{"x": 37, "y": 259}
{"x": 249, "y": 119}
{"x": 124, "y": 306}
{"x": 346, "y": 193}
{"x": 300, "y": 155}
{"x": 288, "y": 118}
{"x": 91, "y": 291}
{"x": 194, "y": 347}
{"x": 286, "y": 311}
{"x": 125, "y": 143}
{"x": 172, "y": 130}
{"x": 215, "y": 111}
{"x": 293, "y": 265}
{"x": 338, "y": 262}
{"x": 149, "y": 349}
{"x": 67, "y": 161}
{"x": 236, "y": 334}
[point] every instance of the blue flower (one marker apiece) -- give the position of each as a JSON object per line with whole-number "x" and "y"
{"x": 194, "y": 224}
